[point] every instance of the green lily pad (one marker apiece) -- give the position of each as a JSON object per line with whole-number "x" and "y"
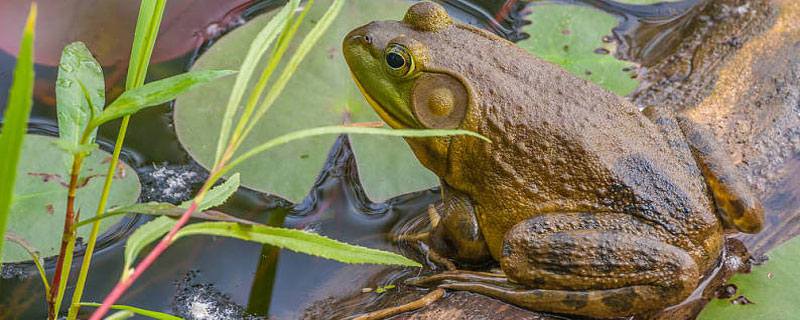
{"x": 40, "y": 194}
{"x": 572, "y": 37}
{"x": 320, "y": 93}
{"x": 772, "y": 289}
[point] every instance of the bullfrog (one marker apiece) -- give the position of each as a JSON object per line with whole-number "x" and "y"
{"x": 590, "y": 206}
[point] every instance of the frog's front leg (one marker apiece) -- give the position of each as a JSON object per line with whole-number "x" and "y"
{"x": 598, "y": 265}
{"x": 737, "y": 205}
{"x": 458, "y": 235}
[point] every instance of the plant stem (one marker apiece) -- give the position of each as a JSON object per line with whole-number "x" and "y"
{"x": 101, "y": 207}
{"x": 151, "y": 257}
{"x": 64, "y": 262}
{"x": 144, "y": 42}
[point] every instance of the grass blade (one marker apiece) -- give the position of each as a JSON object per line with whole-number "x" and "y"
{"x": 155, "y": 93}
{"x": 37, "y": 260}
{"x": 147, "y": 25}
{"x": 80, "y": 95}
{"x": 308, "y": 42}
{"x": 299, "y": 241}
{"x": 301, "y": 134}
{"x": 164, "y": 209}
{"x": 15, "y": 121}
{"x": 120, "y": 315}
{"x": 140, "y": 311}
{"x": 262, "y": 42}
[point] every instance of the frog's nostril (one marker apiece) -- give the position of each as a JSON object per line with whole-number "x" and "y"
{"x": 367, "y": 39}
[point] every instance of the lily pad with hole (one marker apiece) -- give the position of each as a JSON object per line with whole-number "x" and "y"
{"x": 770, "y": 291}
{"x": 321, "y": 92}
{"x": 578, "y": 38}
{"x": 40, "y": 193}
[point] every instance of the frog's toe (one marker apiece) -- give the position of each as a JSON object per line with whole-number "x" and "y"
{"x": 458, "y": 276}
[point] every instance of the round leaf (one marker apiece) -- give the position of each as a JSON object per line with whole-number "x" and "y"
{"x": 572, "y": 36}
{"x": 770, "y": 291}
{"x": 320, "y": 93}
{"x": 39, "y": 203}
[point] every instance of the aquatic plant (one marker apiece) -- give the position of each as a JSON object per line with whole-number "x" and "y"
{"x": 15, "y": 123}
{"x": 82, "y": 109}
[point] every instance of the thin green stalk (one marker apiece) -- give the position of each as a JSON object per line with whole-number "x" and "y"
{"x": 15, "y": 121}
{"x": 305, "y": 47}
{"x": 147, "y": 26}
{"x": 255, "y": 95}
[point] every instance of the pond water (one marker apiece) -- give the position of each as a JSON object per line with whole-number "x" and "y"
{"x": 218, "y": 278}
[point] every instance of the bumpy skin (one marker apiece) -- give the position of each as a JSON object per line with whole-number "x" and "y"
{"x": 591, "y": 207}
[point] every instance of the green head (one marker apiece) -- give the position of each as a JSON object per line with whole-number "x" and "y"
{"x": 392, "y": 64}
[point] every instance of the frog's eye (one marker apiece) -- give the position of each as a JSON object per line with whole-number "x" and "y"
{"x": 399, "y": 61}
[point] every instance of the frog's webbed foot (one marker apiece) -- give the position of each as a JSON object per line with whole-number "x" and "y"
{"x": 596, "y": 303}
{"x": 444, "y": 279}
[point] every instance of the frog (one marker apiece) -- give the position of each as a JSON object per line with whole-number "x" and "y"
{"x": 590, "y": 206}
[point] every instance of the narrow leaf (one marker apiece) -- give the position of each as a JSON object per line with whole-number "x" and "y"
{"x": 262, "y": 42}
{"x": 299, "y": 241}
{"x": 143, "y": 236}
{"x": 155, "y": 93}
{"x": 121, "y": 315}
{"x": 165, "y": 209}
{"x": 144, "y": 312}
{"x": 15, "y": 121}
{"x": 144, "y": 38}
{"x": 37, "y": 260}
{"x": 308, "y": 42}
{"x": 217, "y": 195}
{"x": 300, "y": 134}
{"x": 80, "y": 94}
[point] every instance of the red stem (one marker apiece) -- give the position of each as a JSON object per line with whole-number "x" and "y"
{"x": 66, "y": 237}
{"x": 151, "y": 257}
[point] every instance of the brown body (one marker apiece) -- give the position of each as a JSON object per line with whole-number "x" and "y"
{"x": 590, "y": 206}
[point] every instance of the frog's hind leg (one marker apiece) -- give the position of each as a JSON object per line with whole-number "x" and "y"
{"x": 600, "y": 265}
{"x": 692, "y": 143}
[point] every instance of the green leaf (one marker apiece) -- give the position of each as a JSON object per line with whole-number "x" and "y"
{"x": 142, "y": 237}
{"x": 572, "y": 37}
{"x": 80, "y": 95}
{"x": 258, "y": 47}
{"x": 291, "y": 170}
{"x": 155, "y": 93}
{"x": 308, "y": 133}
{"x": 217, "y": 195}
{"x": 164, "y": 209}
{"x": 299, "y": 241}
{"x": 40, "y": 195}
{"x": 147, "y": 24}
{"x": 772, "y": 287}
{"x": 144, "y": 312}
{"x": 120, "y": 315}
{"x": 34, "y": 254}
{"x": 15, "y": 124}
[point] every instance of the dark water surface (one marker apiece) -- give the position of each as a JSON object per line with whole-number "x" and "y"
{"x": 213, "y": 277}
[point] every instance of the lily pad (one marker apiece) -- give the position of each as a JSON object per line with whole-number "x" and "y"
{"x": 321, "y": 92}
{"x": 770, "y": 291}
{"x": 39, "y": 203}
{"x": 572, "y": 36}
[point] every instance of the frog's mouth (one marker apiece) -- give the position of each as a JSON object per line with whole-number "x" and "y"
{"x": 390, "y": 119}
